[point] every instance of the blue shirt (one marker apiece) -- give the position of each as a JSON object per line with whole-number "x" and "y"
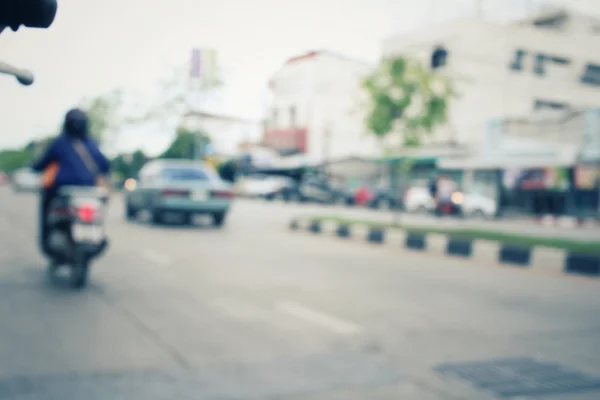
{"x": 72, "y": 170}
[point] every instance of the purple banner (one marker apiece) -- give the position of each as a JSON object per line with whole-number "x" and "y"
{"x": 195, "y": 67}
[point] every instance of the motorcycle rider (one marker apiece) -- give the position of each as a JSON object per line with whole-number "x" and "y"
{"x": 68, "y": 165}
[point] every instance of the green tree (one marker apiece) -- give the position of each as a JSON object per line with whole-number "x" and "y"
{"x": 407, "y": 99}
{"x": 12, "y": 160}
{"x": 39, "y": 146}
{"x": 129, "y": 165}
{"x": 174, "y": 93}
{"x": 119, "y": 166}
{"x": 185, "y": 144}
{"x": 104, "y": 112}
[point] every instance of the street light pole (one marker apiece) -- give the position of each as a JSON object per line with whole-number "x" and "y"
{"x": 479, "y": 8}
{"x": 327, "y": 143}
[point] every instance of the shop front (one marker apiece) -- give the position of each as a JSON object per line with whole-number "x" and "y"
{"x": 287, "y": 142}
{"x": 551, "y": 184}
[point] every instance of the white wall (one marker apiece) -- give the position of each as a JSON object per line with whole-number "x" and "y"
{"x": 326, "y": 92}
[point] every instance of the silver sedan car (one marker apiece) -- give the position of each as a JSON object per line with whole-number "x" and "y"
{"x": 182, "y": 187}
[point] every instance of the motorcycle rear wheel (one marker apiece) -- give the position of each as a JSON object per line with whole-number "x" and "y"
{"x": 79, "y": 270}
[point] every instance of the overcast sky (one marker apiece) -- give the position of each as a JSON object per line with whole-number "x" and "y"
{"x": 95, "y": 46}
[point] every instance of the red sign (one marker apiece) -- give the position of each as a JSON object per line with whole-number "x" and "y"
{"x": 293, "y": 139}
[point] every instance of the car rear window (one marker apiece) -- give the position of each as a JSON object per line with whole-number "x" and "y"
{"x": 185, "y": 174}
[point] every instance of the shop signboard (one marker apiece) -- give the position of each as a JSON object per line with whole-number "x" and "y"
{"x": 587, "y": 177}
{"x": 590, "y": 148}
{"x": 494, "y": 133}
{"x": 553, "y": 178}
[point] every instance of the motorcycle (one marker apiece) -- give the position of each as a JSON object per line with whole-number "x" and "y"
{"x": 77, "y": 233}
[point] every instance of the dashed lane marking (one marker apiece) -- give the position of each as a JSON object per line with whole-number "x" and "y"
{"x": 330, "y": 322}
{"x": 156, "y": 257}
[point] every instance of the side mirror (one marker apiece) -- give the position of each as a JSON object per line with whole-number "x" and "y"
{"x": 28, "y": 13}
{"x": 25, "y": 77}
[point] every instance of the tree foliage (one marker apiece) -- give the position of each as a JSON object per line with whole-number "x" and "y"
{"x": 174, "y": 96}
{"x": 185, "y": 144}
{"x": 406, "y": 98}
{"x": 104, "y": 114}
{"x": 108, "y": 118}
{"x": 14, "y": 159}
{"x": 129, "y": 165}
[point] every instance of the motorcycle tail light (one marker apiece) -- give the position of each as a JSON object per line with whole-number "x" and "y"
{"x": 87, "y": 213}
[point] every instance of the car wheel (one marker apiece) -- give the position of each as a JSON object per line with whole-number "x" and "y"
{"x": 219, "y": 219}
{"x": 79, "y": 270}
{"x": 156, "y": 217}
{"x": 478, "y": 214}
{"x": 187, "y": 219}
{"x": 389, "y": 205}
{"x": 294, "y": 197}
{"x": 130, "y": 212}
{"x": 422, "y": 210}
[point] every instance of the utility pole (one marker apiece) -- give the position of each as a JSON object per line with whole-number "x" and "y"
{"x": 327, "y": 143}
{"x": 203, "y": 77}
{"x": 479, "y": 8}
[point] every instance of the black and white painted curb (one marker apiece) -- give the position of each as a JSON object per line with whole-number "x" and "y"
{"x": 538, "y": 258}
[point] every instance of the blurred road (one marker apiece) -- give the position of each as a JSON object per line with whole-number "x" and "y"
{"x": 254, "y": 311}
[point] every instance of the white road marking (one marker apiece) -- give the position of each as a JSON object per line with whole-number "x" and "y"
{"x": 330, "y": 322}
{"x": 156, "y": 257}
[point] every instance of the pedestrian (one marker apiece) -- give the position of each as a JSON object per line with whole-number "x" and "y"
{"x": 445, "y": 188}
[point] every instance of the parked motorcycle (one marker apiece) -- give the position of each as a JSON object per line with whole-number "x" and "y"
{"x": 77, "y": 230}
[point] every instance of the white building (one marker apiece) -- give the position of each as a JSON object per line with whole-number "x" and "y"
{"x": 317, "y": 109}
{"x": 518, "y": 70}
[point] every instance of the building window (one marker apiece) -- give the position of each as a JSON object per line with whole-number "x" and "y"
{"x": 274, "y": 118}
{"x": 549, "y": 105}
{"x": 517, "y": 63}
{"x": 559, "y": 60}
{"x": 539, "y": 67}
{"x": 439, "y": 58}
{"x": 555, "y": 22}
{"x": 591, "y": 75}
{"x": 293, "y": 121}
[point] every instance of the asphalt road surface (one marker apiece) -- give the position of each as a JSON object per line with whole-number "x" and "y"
{"x": 253, "y": 311}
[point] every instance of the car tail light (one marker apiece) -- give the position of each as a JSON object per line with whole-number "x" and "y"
{"x": 174, "y": 193}
{"x": 87, "y": 213}
{"x": 222, "y": 194}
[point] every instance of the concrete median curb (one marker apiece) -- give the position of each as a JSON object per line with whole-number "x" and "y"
{"x": 506, "y": 254}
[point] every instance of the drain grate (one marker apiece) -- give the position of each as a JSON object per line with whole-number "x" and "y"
{"x": 515, "y": 377}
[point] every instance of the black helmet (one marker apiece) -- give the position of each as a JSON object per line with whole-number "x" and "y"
{"x": 76, "y": 124}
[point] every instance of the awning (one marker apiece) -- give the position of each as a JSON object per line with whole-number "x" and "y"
{"x": 416, "y": 159}
{"x": 564, "y": 158}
